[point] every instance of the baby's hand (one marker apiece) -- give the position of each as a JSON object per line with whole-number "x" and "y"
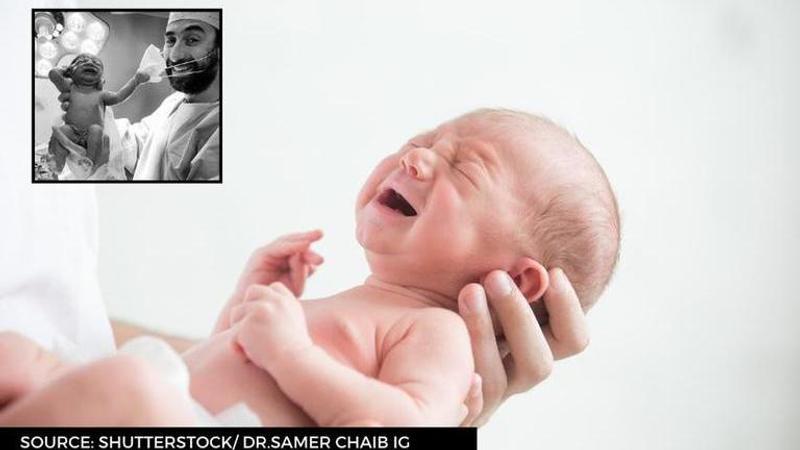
{"x": 288, "y": 259}
{"x": 270, "y": 325}
{"x": 141, "y": 77}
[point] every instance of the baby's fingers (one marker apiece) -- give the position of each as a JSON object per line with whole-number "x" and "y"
{"x": 282, "y": 249}
{"x": 312, "y": 258}
{"x": 310, "y": 236}
{"x": 256, "y": 292}
{"x": 278, "y": 250}
{"x": 305, "y": 236}
{"x": 298, "y": 271}
{"x": 239, "y": 312}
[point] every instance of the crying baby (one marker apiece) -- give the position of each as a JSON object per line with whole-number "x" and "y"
{"x": 492, "y": 189}
{"x": 85, "y": 113}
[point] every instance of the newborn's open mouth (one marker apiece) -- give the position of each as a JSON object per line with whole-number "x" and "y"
{"x": 392, "y": 199}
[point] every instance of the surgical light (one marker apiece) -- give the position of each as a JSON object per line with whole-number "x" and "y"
{"x": 89, "y": 46}
{"x": 69, "y": 40}
{"x": 43, "y": 67}
{"x": 48, "y": 50}
{"x": 45, "y": 31}
{"x": 76, "y": 22}
{"x": 59, "y": 36}
{"x": 44, "y": 24}
{"x": 95, "y": 31}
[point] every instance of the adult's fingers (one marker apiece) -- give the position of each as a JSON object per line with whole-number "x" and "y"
{"x": 530, "y": 360}
{"x": 567, "y": 330}
{"x": 474, "y": 309}
{"x": 474, "y": 402}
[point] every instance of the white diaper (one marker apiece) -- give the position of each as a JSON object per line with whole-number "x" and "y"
{"x": 170, "y": 364}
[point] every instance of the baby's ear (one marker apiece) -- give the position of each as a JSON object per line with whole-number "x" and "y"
{"x": 530, "y": 277}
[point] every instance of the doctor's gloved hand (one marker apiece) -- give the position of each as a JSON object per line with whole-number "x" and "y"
{"x": 522, "y": 355}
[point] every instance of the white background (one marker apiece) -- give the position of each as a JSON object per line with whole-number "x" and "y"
{"x": 693, "y": 109}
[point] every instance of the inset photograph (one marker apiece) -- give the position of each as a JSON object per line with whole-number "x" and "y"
{"x": 127, "y": 96}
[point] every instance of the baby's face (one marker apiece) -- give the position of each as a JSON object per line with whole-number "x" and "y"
{"x": 86, "y": 70}
{"x": 442, "y": 211}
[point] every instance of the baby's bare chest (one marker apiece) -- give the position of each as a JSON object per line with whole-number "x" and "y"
{"x": 85, "y": 108}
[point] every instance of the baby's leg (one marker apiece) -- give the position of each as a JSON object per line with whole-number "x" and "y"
{"x": 117, "y": 391}
{"x": 97, "y": 145}
{"x": 24, "y": 366}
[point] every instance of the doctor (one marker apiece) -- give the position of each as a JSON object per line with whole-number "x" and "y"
{"x": 180, "y": 141}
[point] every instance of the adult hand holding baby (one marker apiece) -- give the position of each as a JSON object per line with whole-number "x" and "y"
{"x": 523, "y": 357}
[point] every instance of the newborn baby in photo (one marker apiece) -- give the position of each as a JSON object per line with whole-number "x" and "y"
{"x": 491, "y": 189}
{"x": 83, "y": 121}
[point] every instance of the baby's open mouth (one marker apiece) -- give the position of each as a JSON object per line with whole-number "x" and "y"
{"x": 392, "y": 199}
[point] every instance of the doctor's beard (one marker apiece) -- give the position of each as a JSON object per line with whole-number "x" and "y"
{"x": 204, "y": 72}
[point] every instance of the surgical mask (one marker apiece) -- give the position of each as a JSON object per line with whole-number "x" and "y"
{"x": 153, "y": 64}
{"x": 208, "y": 55}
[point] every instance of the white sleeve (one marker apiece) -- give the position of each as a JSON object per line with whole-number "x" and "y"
{"x": 133, "y": 137}
{"x": 49, "y": 288}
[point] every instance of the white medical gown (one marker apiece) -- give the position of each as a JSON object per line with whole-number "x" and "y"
{"x": 179, "y": 141}
{"x": 49, "y": 289}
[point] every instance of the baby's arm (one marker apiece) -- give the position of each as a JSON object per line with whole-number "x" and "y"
{"x": 57, "y": 77}
{"x": 112, "y": 98}
{"x": 425, "y": 369}
{"x": 288, "y": 259}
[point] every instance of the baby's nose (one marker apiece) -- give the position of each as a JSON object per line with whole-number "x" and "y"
{"x": 418, "y": 163}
